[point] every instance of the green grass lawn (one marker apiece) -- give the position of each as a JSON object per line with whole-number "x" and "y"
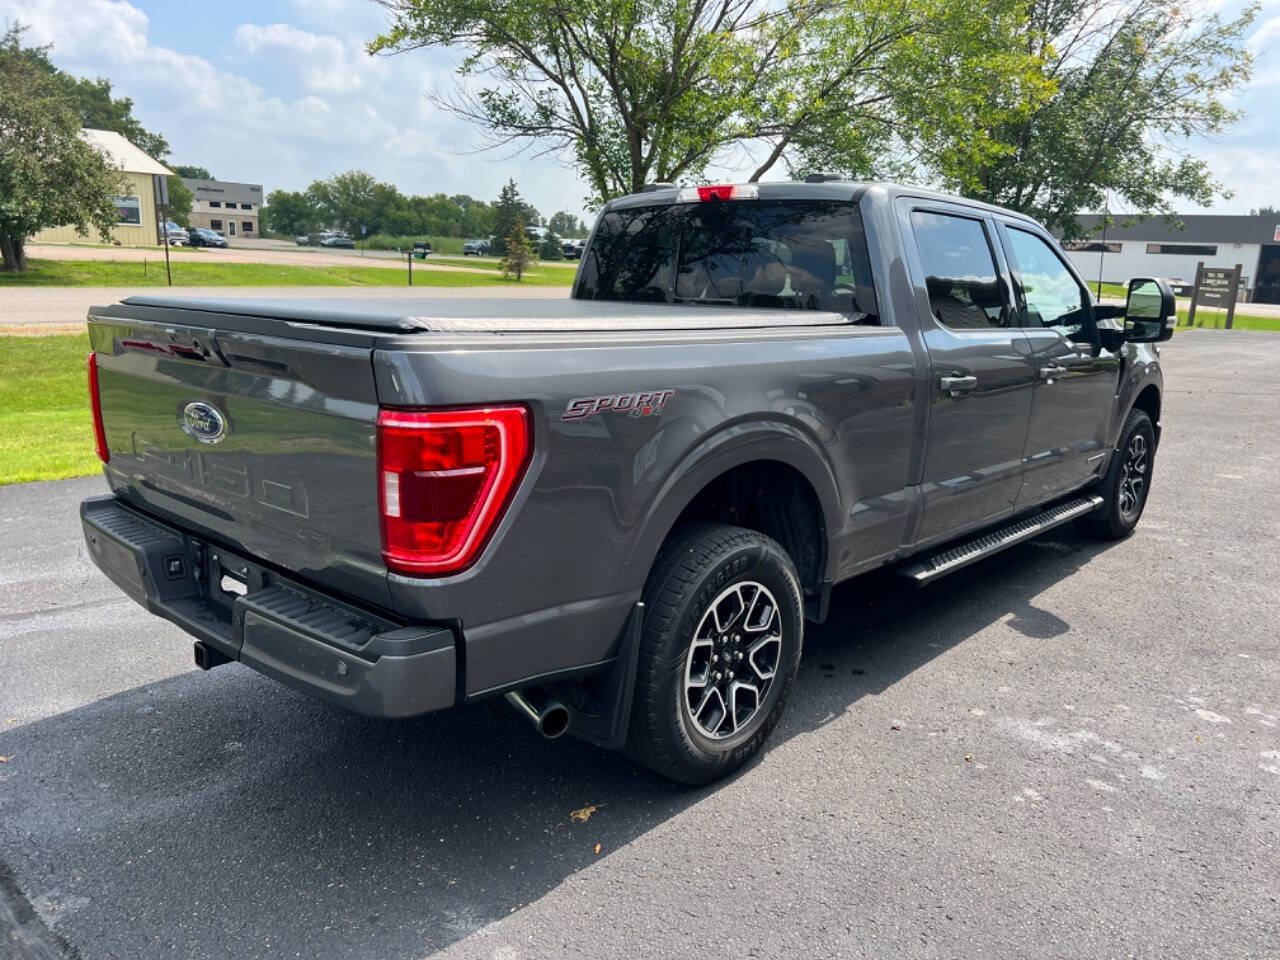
{"x": 46, "y": 430}
{"x": 475, "y": 263}
{"x": 132, "y": 273}
{"x": 1209, "y": 319}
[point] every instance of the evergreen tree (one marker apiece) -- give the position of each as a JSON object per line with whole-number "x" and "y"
{"x": 519, "y": 254}
{"x": 507, "y": 211}
{"x": 551, "y": 247}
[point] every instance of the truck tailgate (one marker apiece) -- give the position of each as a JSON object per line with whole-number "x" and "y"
{"x": 266, "y": 444}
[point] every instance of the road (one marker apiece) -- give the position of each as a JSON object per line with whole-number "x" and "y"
{"x": 1067, "y": 750}
{"x": 36, "y": 310}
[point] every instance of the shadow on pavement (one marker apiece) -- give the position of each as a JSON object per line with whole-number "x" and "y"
{"x": 224, "y": 815}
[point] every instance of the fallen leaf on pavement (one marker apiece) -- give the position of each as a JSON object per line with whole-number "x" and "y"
{"x": 968, "y": 758}
{"x": 4, "y": 759}
{"x": 584, "y": 814}
{"x": 597, "y": 848}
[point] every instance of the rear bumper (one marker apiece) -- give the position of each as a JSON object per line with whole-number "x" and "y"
{"x": 310, "y": 641}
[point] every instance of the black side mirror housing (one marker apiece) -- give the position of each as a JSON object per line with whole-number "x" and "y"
{"x": 1150, "y": 312}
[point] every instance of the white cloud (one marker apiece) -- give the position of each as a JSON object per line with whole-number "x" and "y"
{"x": 322, "y": 62}
{"x": 345, "y": 110}
{"x": 1264, "y": 44}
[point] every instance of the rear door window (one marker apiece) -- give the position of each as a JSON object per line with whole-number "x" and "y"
{"x": 965, "y": 292}
{"x": 806, "y": 255}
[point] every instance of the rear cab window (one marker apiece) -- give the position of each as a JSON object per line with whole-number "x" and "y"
{"x": 960, "y": 271}
{"x": 788, "y": 254}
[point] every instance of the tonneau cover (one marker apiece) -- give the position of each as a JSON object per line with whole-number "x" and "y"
{"x": 492, "y": 315}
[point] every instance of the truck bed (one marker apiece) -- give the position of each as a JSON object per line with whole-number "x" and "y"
{"x": 496, "y": 315}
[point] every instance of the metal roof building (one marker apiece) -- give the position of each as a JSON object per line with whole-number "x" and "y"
{"x": 1162, "y": 247}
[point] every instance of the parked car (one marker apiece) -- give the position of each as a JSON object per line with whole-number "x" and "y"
{"x": 421, "y": 249}
{"x": 620, "y": 509}
{"x": 1181, "y": 287}
{"x": 302, "y": 240}
{"x": 338, "y": 240}
{"x": 176, "y": 234}
{"x": 572, "y": 249}
{"x": 202, "y": 237}
{"x": 476, "y": 248}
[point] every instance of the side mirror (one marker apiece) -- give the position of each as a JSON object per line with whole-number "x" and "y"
{"x": 1151, "y": 311}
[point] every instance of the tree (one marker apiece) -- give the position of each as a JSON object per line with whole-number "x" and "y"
{"x": 567, "y": 225}
{"x": 1131, "y": 78}
{"x": 49, "y": 175}
{"x": 518, "y": 256}
{"x": 633, "y": 93}
{"x": 508, "y": 211}
{"x": 290, "y": 213}
{"x": 551, "y": 247}
{"x": 1267, "y": 211}
{"x": 180, "y": 201}
{"x": 92, "y": 101}
{"x": 357, "y": 203}
{"x": 191, "y": 172}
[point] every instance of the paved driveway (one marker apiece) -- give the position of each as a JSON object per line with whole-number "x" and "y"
{"x": 1066, "y": 750}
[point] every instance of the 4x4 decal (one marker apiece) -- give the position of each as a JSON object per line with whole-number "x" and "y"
{"x": 646, "y": 404}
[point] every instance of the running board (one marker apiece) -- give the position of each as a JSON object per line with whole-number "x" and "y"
{"x": 952, "y": 559}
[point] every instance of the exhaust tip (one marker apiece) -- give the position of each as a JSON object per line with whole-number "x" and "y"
{"x": 549, "y": 716}
{"x": 555, "y": 721}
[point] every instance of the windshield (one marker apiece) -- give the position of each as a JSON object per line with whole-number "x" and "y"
{"x": 797, "y": 254}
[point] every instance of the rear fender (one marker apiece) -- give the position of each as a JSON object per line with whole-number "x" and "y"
{"x": 732, "y": 446}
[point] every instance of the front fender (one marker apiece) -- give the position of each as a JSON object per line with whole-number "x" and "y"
{"x": 1141, "y": 371}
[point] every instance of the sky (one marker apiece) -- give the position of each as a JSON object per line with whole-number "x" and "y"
{"x": 280, "y": 92}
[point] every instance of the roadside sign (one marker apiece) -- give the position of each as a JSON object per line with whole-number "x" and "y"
{"x": 1215, "y": 287}
{"x": 1275, "y": 238}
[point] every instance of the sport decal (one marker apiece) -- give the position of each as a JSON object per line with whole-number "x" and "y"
{"x": 647, "y": 404}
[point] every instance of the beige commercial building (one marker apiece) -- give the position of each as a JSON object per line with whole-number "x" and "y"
{"x": 231, "y": 209}
{"x": 136, "y": 207}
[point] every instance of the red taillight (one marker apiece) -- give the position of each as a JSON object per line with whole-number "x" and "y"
{"x": 95, "y": 401}
{"x": 719, "y": 191}
{"x": 444, "y": 479}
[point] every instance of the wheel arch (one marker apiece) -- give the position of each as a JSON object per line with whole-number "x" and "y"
{"x": 776, "y": 454}
{"x": 1149, "y": 400}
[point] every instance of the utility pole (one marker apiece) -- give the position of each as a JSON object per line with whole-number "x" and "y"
{"x": 1102, "y": 251}
{"x": 162, "y": 204}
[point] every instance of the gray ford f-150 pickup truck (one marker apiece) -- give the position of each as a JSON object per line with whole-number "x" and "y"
{"x": 619, "y": 508}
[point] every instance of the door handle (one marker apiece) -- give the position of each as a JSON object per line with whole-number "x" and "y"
{"x": 1053, "y": 370}
{"x": 957, "y": 384}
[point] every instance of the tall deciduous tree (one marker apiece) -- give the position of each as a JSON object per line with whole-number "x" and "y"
{"x": 93, "y": 103}
{"x": 291, "y": 212}
{"x": 636, "y": 92}
{"x": 180, "y": 200}
{"x": 1132, "y": 80}
{"x": 566, "y": 225}
{"x": 49, "y": 176}
{"x": 191, "y": 171}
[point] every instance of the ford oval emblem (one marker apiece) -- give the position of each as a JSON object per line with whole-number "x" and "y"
{"x": 204, "y": 421}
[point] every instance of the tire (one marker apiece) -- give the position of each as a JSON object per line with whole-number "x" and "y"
{"x": 710, "y": 580}
{"x": 1127, "y": 482}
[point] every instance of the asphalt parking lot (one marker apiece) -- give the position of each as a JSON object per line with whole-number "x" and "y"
{"x": 1067, "y": 750}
